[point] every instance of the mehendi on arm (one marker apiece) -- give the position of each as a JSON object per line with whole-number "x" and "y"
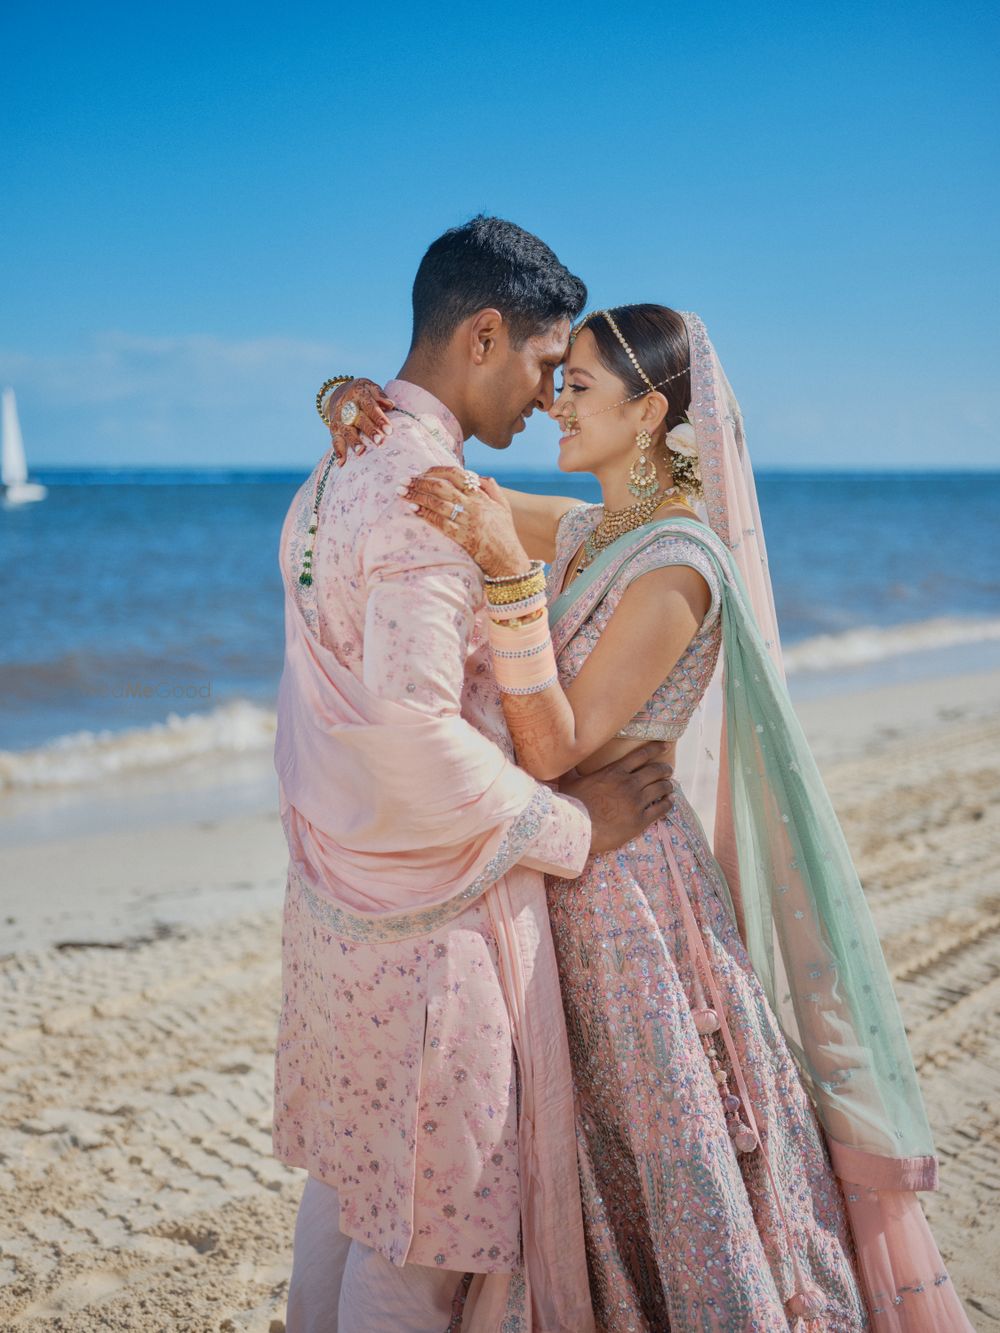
{"x": 658, "y": 615}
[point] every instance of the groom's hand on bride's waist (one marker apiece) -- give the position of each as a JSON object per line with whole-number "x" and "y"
{"x": 625, "y": 797}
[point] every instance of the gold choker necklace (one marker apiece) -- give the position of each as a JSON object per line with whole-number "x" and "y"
{"x": 619, "y": 521}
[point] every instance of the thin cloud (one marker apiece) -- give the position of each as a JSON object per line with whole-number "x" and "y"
{"x": 192, "y": 398}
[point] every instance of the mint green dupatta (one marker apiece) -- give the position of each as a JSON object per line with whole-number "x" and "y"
{"x": 806, "y": 924}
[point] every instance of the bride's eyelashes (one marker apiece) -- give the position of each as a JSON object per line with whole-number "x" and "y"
{"x": 576, "y": 388}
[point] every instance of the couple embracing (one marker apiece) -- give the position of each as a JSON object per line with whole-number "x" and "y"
{"x": 554, "y": 1057}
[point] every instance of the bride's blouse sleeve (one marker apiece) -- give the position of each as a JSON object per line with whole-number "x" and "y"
{"x": 670, "y": 549}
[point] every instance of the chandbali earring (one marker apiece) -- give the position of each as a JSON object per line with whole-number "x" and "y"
{"x": 642, "y": 478}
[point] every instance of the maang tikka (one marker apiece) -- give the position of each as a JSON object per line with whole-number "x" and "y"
{"x": 642, "y": 478}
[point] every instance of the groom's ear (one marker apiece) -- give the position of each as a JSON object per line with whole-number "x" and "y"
{"x": 484, "y": 335}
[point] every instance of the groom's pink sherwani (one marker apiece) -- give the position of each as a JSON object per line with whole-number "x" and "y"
{"x": 395, "y": 1078}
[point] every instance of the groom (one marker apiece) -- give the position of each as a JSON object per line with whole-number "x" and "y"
{"x": 422, "y": 1075}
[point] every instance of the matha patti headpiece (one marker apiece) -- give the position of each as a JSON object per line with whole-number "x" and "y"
{"x": 650, "y": 386}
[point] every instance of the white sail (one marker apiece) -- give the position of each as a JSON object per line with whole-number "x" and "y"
{"x": 13, "y": 465}
{"x": 17, "y": 489}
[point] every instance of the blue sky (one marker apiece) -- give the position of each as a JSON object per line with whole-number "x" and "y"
{"x": 208, "y": 209}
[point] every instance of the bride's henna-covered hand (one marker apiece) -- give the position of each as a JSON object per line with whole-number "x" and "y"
{"x": 483, "y": 526}
{"x": 371, "y": 422}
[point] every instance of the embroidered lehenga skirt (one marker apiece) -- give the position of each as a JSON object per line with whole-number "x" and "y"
{"x": 684, "y": 1229}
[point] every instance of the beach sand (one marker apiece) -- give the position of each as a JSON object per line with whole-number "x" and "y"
{"x": 141, "y": 977}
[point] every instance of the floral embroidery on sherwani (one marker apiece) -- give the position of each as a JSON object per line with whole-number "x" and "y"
{"x": 395, "y": 1079}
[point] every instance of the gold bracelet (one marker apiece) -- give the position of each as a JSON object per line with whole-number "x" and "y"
{"x": 520, "y": 621}
{"x": 529, "y": 586}
{"x": 325, "y": 387}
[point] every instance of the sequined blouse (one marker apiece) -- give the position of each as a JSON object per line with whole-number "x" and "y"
{"x": 666, "y": 714}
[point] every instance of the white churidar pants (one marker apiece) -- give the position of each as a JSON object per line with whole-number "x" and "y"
{"x": 339, "y": 1285}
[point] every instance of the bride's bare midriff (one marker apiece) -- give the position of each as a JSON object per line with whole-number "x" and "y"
{"x": 617, "y": 748}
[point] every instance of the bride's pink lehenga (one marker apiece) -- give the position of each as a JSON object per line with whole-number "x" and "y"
{"x": 709, "y": 1195}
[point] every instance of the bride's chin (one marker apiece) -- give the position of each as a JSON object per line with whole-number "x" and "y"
{"x": 566, "y": 463}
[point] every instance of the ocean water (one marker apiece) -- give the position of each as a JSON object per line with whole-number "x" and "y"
{"x": 141, "y": 612}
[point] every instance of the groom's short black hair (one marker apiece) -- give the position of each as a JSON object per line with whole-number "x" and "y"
{"x": 492, "y": 263}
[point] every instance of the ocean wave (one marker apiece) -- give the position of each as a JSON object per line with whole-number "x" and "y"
{"x": 872, "y": 643}
{"x": 241, "y": 727}
{"x": 89, "y": 756}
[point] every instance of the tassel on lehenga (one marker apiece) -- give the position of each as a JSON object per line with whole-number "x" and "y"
{"x": 907, "y": 1288}
{"x": 809, "y": 1326}
{"x": 806, "y": 1303}
{"x": 706, "y": 1020}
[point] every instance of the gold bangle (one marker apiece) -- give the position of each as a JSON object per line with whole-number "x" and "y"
{"x": 529, "y": 586}
{"x": 515, "y": 595}
{"x": 520, "y": 621}
{"x": 325, "y": 387}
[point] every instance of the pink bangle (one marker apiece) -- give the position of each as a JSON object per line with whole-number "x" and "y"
{"x": 540, "y": 688}
{"x": 527, "y": 636}
{"x": 523, "y": 659}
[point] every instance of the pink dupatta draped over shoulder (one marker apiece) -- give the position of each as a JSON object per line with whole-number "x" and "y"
{"x": 400, "y": 820}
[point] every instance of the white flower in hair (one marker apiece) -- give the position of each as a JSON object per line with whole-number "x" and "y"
{"x": 682, "y": 440}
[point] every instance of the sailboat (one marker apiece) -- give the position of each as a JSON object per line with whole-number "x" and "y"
{"x": 17, "y": 489}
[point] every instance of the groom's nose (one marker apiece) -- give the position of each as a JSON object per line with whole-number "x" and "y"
{"x": 546, "y": 394}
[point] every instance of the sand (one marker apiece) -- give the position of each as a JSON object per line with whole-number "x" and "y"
{"x": 141, "y": 982}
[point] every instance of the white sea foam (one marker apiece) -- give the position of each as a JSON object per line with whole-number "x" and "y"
{"x": 88, "y": 756}
{"x": 860, "y": 647}
{"x": 240, "y": 727}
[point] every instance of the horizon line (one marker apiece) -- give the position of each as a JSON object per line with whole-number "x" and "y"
{"x": 208, "y": 469}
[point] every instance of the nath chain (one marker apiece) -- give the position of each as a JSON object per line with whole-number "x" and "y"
{"x": 585, "y": 416}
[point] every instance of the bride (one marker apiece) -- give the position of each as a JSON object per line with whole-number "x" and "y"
{"x": 750, "y": 1130}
